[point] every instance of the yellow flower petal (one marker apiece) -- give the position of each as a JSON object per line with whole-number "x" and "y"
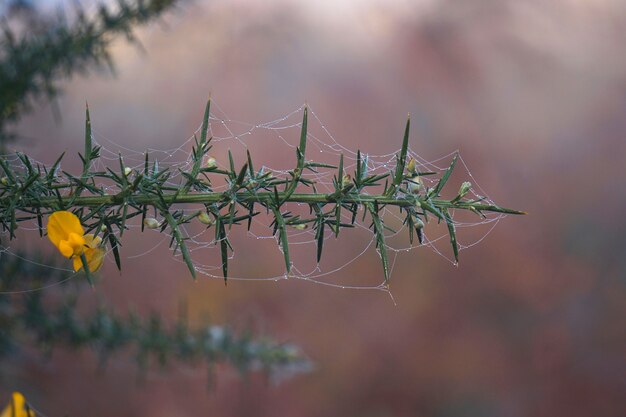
{"x": 66, "y": 249}
{"x": 61, "y": 224}
{"x": 93, "y": 253}
{"x": 73, "y": 246}
{"x": 92, "y": 241}
{"x": 17, "y": 407}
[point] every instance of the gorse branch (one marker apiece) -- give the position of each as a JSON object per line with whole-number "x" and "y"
{"x": 28, "y": 315}
{"x": 34, "y": 191}
{"x": 33, "y": 62}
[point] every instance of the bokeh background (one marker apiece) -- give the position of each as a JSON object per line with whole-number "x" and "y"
{"x": 532, "y": 93}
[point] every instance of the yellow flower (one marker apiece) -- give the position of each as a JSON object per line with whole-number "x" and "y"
{"x": 93, "y": 253}
{"x": 67, "y": 234}
{"x": 17, "y": 407}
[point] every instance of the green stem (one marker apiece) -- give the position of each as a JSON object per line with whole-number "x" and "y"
{"x": 260, "y": 197}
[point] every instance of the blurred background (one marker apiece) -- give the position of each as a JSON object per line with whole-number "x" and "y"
{"x": 532, "y": 93}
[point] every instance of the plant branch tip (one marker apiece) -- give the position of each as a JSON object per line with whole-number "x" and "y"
{"x": 104, "y": 201}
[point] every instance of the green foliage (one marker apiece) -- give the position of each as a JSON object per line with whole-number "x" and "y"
{"x": 32, "y": 192}
{"x": 33, "y": 60}
{"x": 36, "y": 53}
{"x": 26, "y": 314}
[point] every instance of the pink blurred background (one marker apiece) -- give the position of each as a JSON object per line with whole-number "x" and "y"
{"x": 532, "y": 93}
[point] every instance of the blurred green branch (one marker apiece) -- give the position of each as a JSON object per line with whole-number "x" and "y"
{"x": 36, "y": 53}
{"x": 33, "y": 60}
{"x": 53, "y": 324}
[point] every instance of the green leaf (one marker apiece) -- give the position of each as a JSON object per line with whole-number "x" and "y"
{"x": 373, "y": 179}
{"x": 428, "y": 206}
{"x": 39, "y": 222}
{"x": 146, "y": 164}
{"x": 53, "y": 169}
{"x": 358, "y": 174}
{"x": 205, "y": 122}
{"x": 303, "y": 133}
{"x": 7, "y": 170}
{"x": 403, "y": 151}
{"x": 276, "y": 197}
{"x": 337, "y": 218}
{"x": 114, "y": 243}
{"x": 400, "y": 161}
{"x": 320, "y": 165}
{"x": 26, "y": 162}
{"x": 180, "y": 241}
{"x": 380, "y": 238}
{"x": 231, "y": 164}
{"x": 88, "y": 274}
{"x": 319, "y": 231}
{"x": 250, "y": 166}
{"x": 319, "y": 237}
{"x": 354, "y": 210}
{"x": 408, "y": 220}
{"x": 445, "y": 177}
{"x": 123, "y": 178}
{"x": 241, "y": 176}
{"x": 223, "y": 249}
{"x": 88, "y": 144}
{"x": 197, "y": 154}
{"x": 231, "y": 215}
{"x": 452, "y": 233}
{"x": 250, "y": 215}
{"x": 340, "y": 173}
{"x": 300, "y": 152}
{"x": 282, "y": 229}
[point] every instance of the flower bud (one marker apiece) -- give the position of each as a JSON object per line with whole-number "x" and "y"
{"x": 127, "y": 171}
{"x": 4, "y": 180}
{"x": 300, "y": 226}
{"x": 465, "y": 187}
{"x": 346, "y": 180}
{"x": 204, "y": 218}
{"x": 252, "y": 184}
{"x": 415, "y": 184}
{"x": 151, "y": 222}
{"x": 419, "y": 228}
{"x": 211, "y": 162}
{"x": 411, "y": 167}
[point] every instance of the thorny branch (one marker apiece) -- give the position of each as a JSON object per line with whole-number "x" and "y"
{"x": 33, "y": 191}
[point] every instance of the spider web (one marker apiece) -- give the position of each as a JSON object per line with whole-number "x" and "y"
{"x": 276, "y": 141}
